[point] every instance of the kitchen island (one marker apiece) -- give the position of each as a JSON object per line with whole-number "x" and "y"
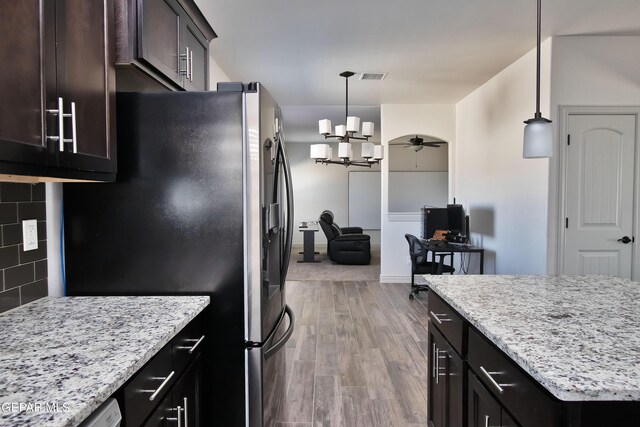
{"x": 73, "y": 353}
{"x": 534, "y": 350}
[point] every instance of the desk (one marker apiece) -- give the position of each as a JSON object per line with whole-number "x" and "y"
{"x": 449, "y": 248}
{"x": 308, "y": 248}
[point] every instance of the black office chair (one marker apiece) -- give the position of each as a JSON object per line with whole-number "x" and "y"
{"x": 420, "y": 264}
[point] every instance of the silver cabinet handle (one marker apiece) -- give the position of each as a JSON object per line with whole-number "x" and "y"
{"x": 74, "y": 135}
{"x": 433, "y": 361}
{"x": 188, "y": 66}
{"x": 60, "y": 113}
{"x": 186, "y": 414}
{"x": 179, "y": 409}
{"x": 438, "y": 367}
{"x": 186, "y": 71}
{"x": 159, "y": 389}
{"x": 191, "y": 65}
{"x": 435, "y": 316}
{"x": 193, "y": 348}
{"x": 437, "y": 362}
{"x": 486, "y": 421}
{"x": 493, "y": 382}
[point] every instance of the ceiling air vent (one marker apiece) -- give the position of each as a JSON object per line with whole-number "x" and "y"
{"x": 373, "y": 76}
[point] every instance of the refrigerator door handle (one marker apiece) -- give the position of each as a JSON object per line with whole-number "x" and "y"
{"x": 282, "y": 341}
{"x": 289, "y": 236}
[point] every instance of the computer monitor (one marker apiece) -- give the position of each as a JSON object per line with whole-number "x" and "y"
{"x": 456, "y": 219}
{"x": 433, "y": 219}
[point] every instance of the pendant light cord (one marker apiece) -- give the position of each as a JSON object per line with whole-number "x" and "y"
{"x": 538, "y": 113}
{"x": 346, "y": 104}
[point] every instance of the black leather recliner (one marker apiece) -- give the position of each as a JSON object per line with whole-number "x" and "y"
{"x": 345, "y": 245}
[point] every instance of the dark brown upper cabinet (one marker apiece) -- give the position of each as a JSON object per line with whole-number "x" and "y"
{"x": 57, "y": 90}
{"x": 166, "y": 40}
{"x": 86, "y": 80}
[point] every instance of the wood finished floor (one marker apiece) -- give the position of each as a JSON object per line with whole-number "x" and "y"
{"x": 357, "y": 356}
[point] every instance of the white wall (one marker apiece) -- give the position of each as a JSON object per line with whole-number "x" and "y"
{"x": 429, "y": 159}
{"x": 216, "y": 74}
{"x": 588, "y": 71}
{"x": 504, "y": 194}
{"x": 318, "y": 187}
{"x": 54, "y": 215}
{"x": 398, "y": 120}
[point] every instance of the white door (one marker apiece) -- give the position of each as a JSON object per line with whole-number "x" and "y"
{"x": 600, "y": 195}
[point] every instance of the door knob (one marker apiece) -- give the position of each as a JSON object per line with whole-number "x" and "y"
{"x": 625, "y": 240}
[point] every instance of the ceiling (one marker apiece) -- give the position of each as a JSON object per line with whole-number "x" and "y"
{"x": 435, "y": 51}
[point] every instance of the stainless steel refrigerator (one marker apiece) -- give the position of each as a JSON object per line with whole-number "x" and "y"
{"x": 202, "y": 205}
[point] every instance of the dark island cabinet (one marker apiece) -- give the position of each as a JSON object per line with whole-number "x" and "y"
{"x": 472, "y": 381}
{"x": 167, "y": 40}
{"x": 57, "y": 89}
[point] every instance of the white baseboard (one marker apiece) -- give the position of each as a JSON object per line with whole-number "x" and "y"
{"x": 395, "y": 279}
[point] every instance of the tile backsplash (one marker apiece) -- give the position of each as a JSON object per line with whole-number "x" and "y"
{"x": 23, "y": 275}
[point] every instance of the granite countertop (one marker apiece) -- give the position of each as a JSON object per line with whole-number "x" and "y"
{"x": 75, "y": 352}
{"x": 578, "y": 336}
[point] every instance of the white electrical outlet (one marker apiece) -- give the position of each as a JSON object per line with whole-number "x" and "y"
{"x": 30, "y": 234}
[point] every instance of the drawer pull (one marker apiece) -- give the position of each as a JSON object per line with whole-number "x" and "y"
{"x": 154, "y": 393}
{"x": 192, "y": 349}
{"x": 186, "y": 414}
{"x": 493, "y": 382}
{"x": 435, "y": 316}
{"x": 486, "y": 421}
{"x": 179, "y": 419}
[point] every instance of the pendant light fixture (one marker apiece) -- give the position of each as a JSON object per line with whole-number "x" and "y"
{"x": 538, "y": 134}
{"x": 371, "y": 154}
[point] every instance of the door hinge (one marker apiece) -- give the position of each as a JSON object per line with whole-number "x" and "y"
{"x": 566, "y": 223}
{"x": 568, "y": 139}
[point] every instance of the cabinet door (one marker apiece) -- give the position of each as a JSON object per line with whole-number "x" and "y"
{"x": 436, "y": 403}
{"x": 455, "y": 371}
{"x": 165, "y": 414}
{"x": 446, "y": 379}
{"x": 27, "y": 55}
{"x": 159, "y": 28}
{"x": 187, "y": 394}
{"x": 198, "y": 48}
{"x": 484, "y": 410}
{"x": 86, "y": 78}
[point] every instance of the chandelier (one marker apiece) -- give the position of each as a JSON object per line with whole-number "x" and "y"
{"x": 323, "y": 153}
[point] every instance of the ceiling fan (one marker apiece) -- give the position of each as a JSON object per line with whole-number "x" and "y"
{"x": 418, "y": 143}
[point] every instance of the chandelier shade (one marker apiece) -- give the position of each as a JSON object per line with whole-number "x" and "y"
{"x": 367, "y": 150}
{"x": 344, "y": 150}
{"x": 325, "y": 127}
